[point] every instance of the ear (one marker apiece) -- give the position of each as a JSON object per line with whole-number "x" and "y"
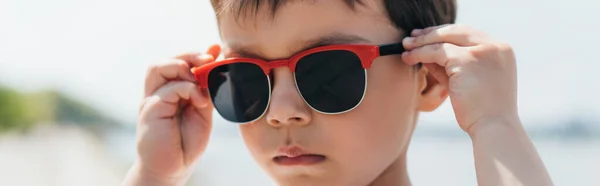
{"x": 433, "y": 94}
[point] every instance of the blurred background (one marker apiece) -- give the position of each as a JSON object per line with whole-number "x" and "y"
{"x": 71, "y": 78}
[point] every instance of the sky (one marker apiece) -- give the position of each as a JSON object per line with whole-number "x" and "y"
{"x": 97, "y": 51}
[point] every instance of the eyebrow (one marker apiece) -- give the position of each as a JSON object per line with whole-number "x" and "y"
{"x": 335, "y": 38}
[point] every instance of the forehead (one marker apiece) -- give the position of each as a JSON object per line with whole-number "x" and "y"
{"x": 296, "y": 22}
{"x": 250, "y": 7}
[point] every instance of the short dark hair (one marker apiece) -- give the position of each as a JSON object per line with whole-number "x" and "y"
{"x": 405, "y": 14}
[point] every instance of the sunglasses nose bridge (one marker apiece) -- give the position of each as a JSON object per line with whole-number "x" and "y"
{"x": 279, "y": 63}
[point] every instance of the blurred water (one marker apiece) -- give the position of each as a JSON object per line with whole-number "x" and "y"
{"x": 430, "y": 161}
{"x": 571, "y": 162}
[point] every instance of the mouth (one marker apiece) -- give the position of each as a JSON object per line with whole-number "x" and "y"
{"x": 293, "y": 156}
{"x": 306, "y": 159}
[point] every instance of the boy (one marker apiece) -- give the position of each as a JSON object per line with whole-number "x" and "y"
{"x": 328, "y": 92}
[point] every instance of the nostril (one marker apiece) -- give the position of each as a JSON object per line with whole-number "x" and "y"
{"x": 291, "y": 120}
{"x": 274, "y": 122}
{"x": 296, "y": 119}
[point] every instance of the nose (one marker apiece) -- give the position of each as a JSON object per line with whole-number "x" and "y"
{"x": 286, "y": 107}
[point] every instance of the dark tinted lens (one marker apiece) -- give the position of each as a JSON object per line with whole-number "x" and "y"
{"x": 239, "y": 91}
{"x": 331, "y": 81}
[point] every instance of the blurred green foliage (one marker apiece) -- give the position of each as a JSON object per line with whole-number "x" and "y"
{"x": 11, "y": 111}
{"x": 21, "y": 111}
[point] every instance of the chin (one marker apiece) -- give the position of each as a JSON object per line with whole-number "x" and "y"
{"x": 321, "y": 181}
{"x": 303, "y": 181}
{"x": 309, "y": 176}
{"x": 316, "y": 175}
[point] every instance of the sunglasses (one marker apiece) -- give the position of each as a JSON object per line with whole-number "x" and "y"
{"x": 331, "y": 80}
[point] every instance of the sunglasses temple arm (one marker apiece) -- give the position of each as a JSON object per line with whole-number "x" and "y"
{"x": 389, "y": 49}
{"x": 394, "y": 48}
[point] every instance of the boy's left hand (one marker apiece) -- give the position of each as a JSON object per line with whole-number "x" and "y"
{"x": 480, "y": 73}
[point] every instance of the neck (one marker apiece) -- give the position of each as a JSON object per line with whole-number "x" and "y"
{"x": 395, "y": 175}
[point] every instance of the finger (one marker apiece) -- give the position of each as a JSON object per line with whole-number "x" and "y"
{"x": 419, "y": 32}
{"x": 416, "y": 32}
{"x": 165, "y": 102}
{"x": 195, "y": 132}
{"x": 158, "y": 75}
{"x": 198, "y": 59}
{"x": 455, "y": 34}
{"x": 443, "y": 54}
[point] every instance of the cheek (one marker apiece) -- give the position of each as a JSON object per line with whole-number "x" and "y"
{"x": 391, "y": 102}
{"x": 393, "y": 98}
{"x": 259, "y": 139}
{"x": 377, "y": 131}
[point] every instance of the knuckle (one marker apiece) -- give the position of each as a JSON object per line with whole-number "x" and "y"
{"x": 504, "y": 48}
{"x": 437, "y": 47}
{"x": 147, "y": 102}
{"x": 461, "y": 27}
{"x": 450, "y": 54}
{"x": 429, "y": 29}
{"x": 506, "y": 51}
{"x": 166, "y": 66}
{"x": 438, "y": 27}
{"x": 478, "y": 51}
{"x": 484, "y": 49}
{"x": 416, "y": 51}
{"x": 495, "y": 50}
{"x": 452, "y": 60}
{"x": 155, "y": 67}
{"x": 449, "y": 29}
{"x": 418, "y": 40}
{"x": 152, "y": 69}
{"x": 173, "y": 62}
{"x": 182, "y": 64}
{"x": 188, "y": 54}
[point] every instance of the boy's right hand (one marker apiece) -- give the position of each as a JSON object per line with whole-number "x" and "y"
{"x": 174, "y": 123}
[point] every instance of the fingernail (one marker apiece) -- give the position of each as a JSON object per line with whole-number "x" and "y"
{"x": 405, "y": 57}
{"x": 404, "y": 54}
{"x": 409, "y": 40}
{"x": 416, "y": 31}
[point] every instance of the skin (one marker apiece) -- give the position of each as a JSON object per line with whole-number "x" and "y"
{"x": 366, "y": 146}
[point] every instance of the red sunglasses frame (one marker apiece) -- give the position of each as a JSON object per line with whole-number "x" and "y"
{"x": 366, "y": 53}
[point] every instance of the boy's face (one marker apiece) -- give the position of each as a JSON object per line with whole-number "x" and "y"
{"x": 352, "y": 148}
